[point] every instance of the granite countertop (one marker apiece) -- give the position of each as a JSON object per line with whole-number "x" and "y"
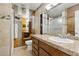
{"x": 69, "y": 48}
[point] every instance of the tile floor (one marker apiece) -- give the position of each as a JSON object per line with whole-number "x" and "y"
{"x": 22, "y": 51}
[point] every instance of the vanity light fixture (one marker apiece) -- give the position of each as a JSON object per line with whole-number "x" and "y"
{"x": 49, "y": 6}
{"x": 54, "y": 4}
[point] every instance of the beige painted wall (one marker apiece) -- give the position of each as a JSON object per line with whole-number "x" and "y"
{"x": 37, "y": 18}
{"x": 5, "y": 8}
{"x": 4, "y": 37}
{"x": 6, "y": 29}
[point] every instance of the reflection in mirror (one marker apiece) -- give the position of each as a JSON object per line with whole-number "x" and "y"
{"x": 67, "y": 25}
{"x": 57, "y": 25}
{"x": 63, "y": 20}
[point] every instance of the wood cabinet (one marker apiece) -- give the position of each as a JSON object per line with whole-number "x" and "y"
{"x": 71, "y": 25}
{"x": 16, "y": 43}
{"x": 71, "y": 10}
{"x": 43, "y": 52}
{"x": 71, "y": 19}
{"x": 35, "y": 47}
{"x": 40, "y": 48}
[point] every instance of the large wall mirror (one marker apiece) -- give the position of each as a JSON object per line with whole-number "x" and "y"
{"x": 63, "y": 19}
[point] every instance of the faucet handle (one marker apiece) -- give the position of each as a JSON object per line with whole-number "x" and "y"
{"x": 59, "y": 35}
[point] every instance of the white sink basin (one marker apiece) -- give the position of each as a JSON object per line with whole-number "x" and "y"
{"x": 62, "y": 40}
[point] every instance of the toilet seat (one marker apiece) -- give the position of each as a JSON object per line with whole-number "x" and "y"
{"x": 29, "y": 42}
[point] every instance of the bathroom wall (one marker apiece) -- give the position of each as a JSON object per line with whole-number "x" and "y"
{"x": 4, "y": 37}
{"x": 6, "y": 30}
{"x": 39, "y": 11}
{"x": 4, "y": 8}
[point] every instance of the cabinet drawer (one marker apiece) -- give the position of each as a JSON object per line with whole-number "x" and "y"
{"x": 35, "y": 45}
{"x": 35, "y": 51}
{"x": 35, "y": 40}
{"x": 51, "y": 50}
{"x": 42, "y": 52}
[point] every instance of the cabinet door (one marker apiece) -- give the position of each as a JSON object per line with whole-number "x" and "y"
{"x": 35, "y": 46}
{"x": 43, "y": 52}
{"x": 50, "y": 50}
{"x": 35, "y": 40}
{"x": 71, "y": 25}
{"x": 34, "y": 51}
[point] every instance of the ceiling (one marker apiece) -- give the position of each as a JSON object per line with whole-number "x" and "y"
{"x": 31, "y": 6}
{"x": 53, "y": 12}
{"x": 57, "y": 10}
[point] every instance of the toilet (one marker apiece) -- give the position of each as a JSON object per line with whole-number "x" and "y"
{"x": 28, "y": 43}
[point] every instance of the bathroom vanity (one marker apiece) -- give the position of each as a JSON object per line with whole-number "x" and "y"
{"x": 42, "y": 46}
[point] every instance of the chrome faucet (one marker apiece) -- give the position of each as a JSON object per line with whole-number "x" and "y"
{"x": 62, "y": 36}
